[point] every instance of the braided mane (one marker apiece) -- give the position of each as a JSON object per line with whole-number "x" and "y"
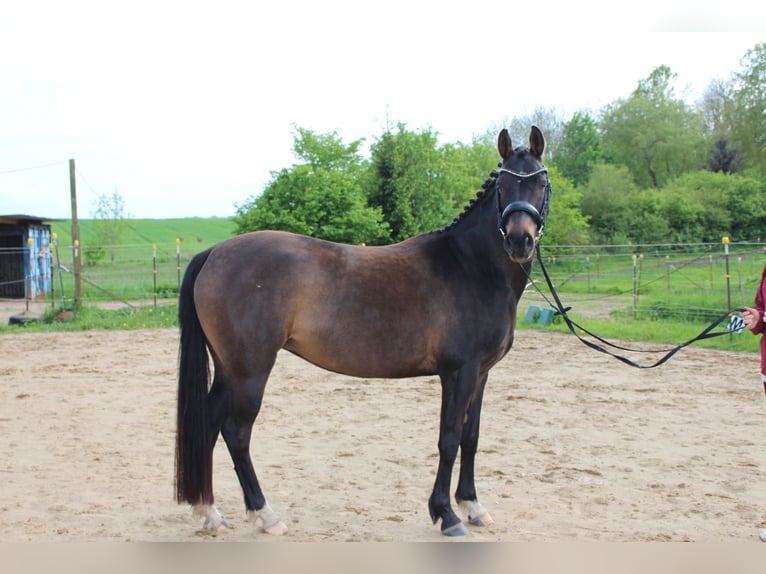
{"x": 481, "y": 195}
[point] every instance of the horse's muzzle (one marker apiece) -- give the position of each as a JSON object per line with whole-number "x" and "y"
{"x": 520, "y": 246}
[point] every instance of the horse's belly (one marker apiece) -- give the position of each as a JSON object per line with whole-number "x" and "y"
{"x": 369, "y": 357}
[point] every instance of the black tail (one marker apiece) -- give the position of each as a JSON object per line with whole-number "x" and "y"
{"x": 194, "y": 452}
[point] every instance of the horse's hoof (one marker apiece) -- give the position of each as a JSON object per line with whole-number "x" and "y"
{"x": 476, "y": 513}
{"x": 277, "y": 529}
{"x": 270, "y": 521}
{"x": 217, "y": 526}
{"x": 482, "y": 520}
{"x": 458, "y": 529}
{"x": 213, "y": 521}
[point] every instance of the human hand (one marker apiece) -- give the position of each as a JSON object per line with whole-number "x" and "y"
{"x": 752, "y": 318}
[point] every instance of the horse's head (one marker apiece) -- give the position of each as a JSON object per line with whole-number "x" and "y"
{"x": 523, "y": 192}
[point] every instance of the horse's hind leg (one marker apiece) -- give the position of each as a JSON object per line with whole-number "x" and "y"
{"x": 465, "y": 494}
{"x": 218, "y": 403}
{"x": 236, "y": 430}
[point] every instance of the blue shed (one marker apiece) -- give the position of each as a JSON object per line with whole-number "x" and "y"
{"x": 24, "y": 267}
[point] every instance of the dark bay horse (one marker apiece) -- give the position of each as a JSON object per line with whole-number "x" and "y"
{"x": 441, "y": 303}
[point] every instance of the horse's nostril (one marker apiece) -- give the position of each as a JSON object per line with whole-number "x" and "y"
{"x": 523, "y": 240}
{"x": 529, "y": 242}
{"x": 520, "y": 246}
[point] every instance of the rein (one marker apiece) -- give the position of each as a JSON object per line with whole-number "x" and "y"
{"x": 576, "y": 329}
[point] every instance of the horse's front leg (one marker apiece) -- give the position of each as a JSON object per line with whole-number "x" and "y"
{"x": 466, "y": 488}
{"x": 457, "y": 389}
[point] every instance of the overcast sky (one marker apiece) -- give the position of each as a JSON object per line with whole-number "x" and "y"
{"x": 185, "y": 108}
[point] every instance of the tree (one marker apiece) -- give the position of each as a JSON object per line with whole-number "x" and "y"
{"x": 695, "y": 208}
{"x": 656, "y": 136}
{"x": 465, "y": 167}
{"x": 606, "y": 203}
{"x": 749, "y": 128}
{"x": 717, "y": 108}
{"x": 725, "y": 157}
{"x": 109, "y": 223}
{"x": 580, "y": 149}
{"x": 644, "y": 221}
{"x": 321, "y": 197}
{"x": 406, "y": 182}
{"x": 566, "y": 223}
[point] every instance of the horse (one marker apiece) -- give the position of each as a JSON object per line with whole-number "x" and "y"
{"x": 442, "y": 303}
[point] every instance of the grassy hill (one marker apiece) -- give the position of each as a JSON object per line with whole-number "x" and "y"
{"x": 195, "y": 233}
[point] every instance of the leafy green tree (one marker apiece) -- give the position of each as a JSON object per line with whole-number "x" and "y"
{"x": 326, "y": 151}
{"x": 644, "y": 221}
{"x": 580, "y": 149}
{"x": 704, "y": 206}
{"x": 321, "y": 197}
{"x": 655, "y": 135}
{"x": 566, "y": 223}
{"x": 606, "y": 203}
{"x": 695, "y": 211}
{"x": 746, "y": 202}
{"x": 466, "y": 167}
{"x": 407, "y": 182}
{"x": 749, "y": 128}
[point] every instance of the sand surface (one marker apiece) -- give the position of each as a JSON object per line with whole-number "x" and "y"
{"x": 575, "y": 446}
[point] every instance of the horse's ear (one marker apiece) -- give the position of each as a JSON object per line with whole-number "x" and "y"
{"x": 504, "y": 146}
{"x": 536, "y": 142}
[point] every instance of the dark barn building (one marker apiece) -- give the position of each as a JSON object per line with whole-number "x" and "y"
{"x": 24, "y": 267}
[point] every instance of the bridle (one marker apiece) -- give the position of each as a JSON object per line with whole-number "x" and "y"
{"x": 539, "y": 217}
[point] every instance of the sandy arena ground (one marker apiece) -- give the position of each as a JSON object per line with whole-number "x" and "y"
{"x": 575, "y": 446}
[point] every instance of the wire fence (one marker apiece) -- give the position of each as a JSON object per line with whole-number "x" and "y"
{"x": 692, "y": 281}
{"x": 698, "y": 280}
{"x": 132, "y": 275}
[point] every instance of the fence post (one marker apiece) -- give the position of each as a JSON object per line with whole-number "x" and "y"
{"x": 53, "y": 270}
{"x": 178, "y": 263}
{"x": 741, "y": 284}
{"x": 154, "y": 271}
{"x": 28, "y": 275}
{"x": 635, "y": 286}
{"x": 725, "y": 241}
{"x": 667, "y": 270}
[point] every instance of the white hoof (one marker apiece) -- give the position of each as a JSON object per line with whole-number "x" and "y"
{"x": 277, "y": 529}
{"x": 270, "y": 521}
{"x": 212, "y": 519}
{"x": 481, "y": 520}
{"x": 476, "y": 513}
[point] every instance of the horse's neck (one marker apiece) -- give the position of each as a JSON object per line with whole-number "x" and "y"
{"x": 477, "y": 237}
